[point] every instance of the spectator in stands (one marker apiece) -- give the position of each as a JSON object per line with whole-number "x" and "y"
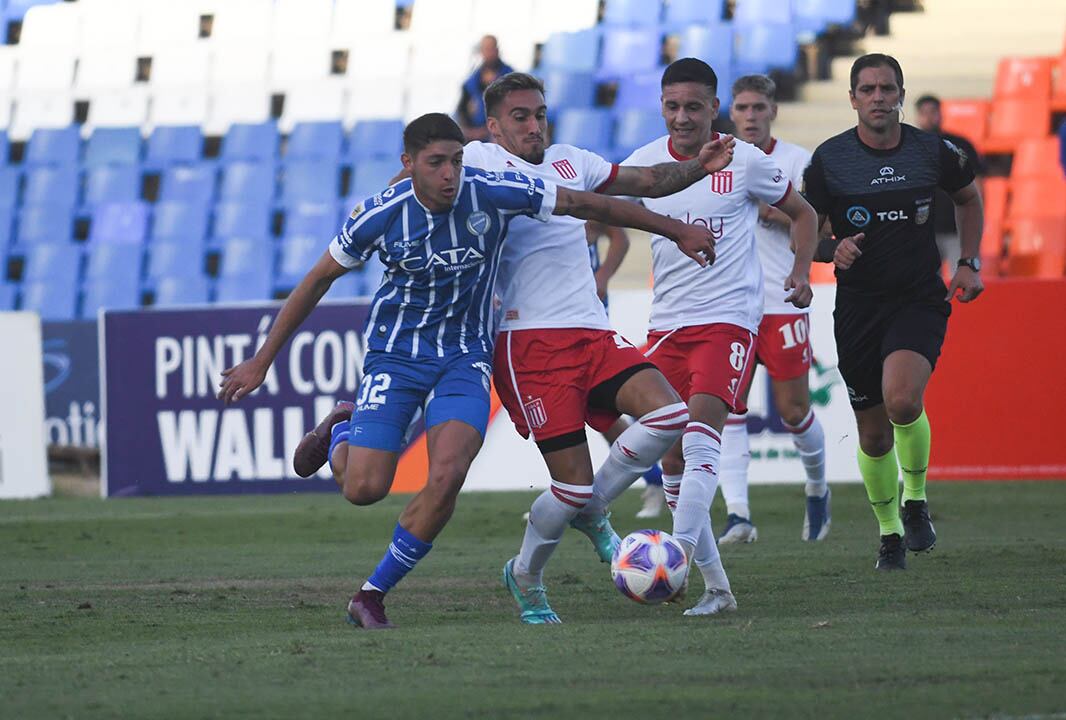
{"x": 472, "y": 105}
{"x": 947, "y": 238}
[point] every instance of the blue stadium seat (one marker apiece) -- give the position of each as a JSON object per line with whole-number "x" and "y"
{"x": 639, "y": 91}
{"x": 7, "y": 229}
{"x": 8, "y": 296}
{"x": 765, "y": 46}
{"x": 51, "y": 186}
{"x": 16, "y": 9}
{"x": 121, "y": 263}
{"x": 630, "y": 51}
{"x": 124, "y": 223}
{"x": 172, "y": 144}
{"x": 814, "y": 16}
{"x": 589, "y": 129}
{"x": 680, "y": 13}
{"x": 114, "y": 183}
{"x": 346, "y": 287}
{"x": 634, "y": 129}
{"x": 109, "y": 294}
{"x": 244, "y": 288}
{"x": 713, "y": 44}
{"x": 113, "y": 146}
{"x": 576, "y": 51}
{"x": 315, "y": 141}
{"x": 58, "y": 261}
{"x": 9, "y": 186}
{"x": 54, "y": 146}
{"x": 247, "y": 182}
{"x": 317, "y": 219}
{"x": 247, "y": 256}
{"x": 248, "y": 141}
{"x": 4, "y": 147}
{"x": 298, "y": 253}
{"x": 632, "y": 13}
{"x": 247, "y": 219}
{"x": 180, "y": 221}
{"x": 39, "y": 224}
{"x": 375, "y": 139}
{"x": 181, "y": 290}
{"x": 311, "y": 181}
{"x": 174, "y": 259}
{"x": 564, "y": 89}
{"x": 371, "y": 177}
{"x": 52, "y": 299}
{"x": 193, "y": 184}
{"x": 762, "y": 11}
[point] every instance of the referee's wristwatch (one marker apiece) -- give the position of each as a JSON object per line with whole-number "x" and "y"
{"x": 972, "y": 262}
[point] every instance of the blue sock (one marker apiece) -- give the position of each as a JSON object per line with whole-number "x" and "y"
{"x": 338, "y": 434}
{"x": 403, "y": 554}
{"x": 654, "y": 476}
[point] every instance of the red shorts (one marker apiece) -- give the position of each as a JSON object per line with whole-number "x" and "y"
{"x": 784, "y": 345}
{"x": 564, "y": 377}
{"x": 711, "y": 359}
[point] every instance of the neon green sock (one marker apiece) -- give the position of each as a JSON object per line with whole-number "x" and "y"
{"x": 881, "y": 477}
{"x": 912, "y": 446}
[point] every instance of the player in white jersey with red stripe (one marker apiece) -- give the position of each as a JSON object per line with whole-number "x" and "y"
{"x": 783, "y": 345}
{"x": 704, "y": 320}
{"x": 558, "y": 364}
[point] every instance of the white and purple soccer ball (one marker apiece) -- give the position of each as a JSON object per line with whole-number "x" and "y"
{"x": 649, "y": 567}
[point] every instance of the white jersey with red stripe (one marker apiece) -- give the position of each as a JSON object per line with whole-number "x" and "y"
{"x": 545, "y": 280}
{"x": 729, "y": 291}
{"x": 772, "y": 239}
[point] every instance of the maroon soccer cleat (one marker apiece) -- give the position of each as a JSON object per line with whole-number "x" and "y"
{"x": 313, "y": 450}
{"x": 367, "y": 610}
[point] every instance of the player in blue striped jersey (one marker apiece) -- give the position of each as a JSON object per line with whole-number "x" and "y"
{"x": 430, "y": 329}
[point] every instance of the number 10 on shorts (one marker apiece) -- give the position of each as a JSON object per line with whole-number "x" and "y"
{"x": 372, "y": 390}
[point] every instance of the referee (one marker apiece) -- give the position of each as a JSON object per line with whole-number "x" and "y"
{"x": 876, "y": 183}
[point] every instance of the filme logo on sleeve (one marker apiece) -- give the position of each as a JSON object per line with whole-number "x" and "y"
{"x": 888, "y": 175}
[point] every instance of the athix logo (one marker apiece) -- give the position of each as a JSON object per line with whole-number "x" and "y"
{"x": 888, "y": 175}
{"x": 565, "y": 169}
{"x": 722, "y": 182}
{"x": 887, "y": 170}
{"x": 535, "y": 412}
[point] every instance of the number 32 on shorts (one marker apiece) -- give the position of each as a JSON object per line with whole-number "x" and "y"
{"x": 372, "y": 390}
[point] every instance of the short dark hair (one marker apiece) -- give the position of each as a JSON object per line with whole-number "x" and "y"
{"x": 690, "y": 70}
{"x": 927, "y": 99}
{"x": 504, "y": 85}
{"x": 875, "y": 60}
{"x": 428, "y": 128}
{"x": 761, "y": 84}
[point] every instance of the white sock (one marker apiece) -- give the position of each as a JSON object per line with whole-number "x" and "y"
{"x": 705, "y": 555}
{"x": 702, "y": 447}
{"x": 736, "y": 454}
{"x": 809, "y": 439}
{"x": 549, "y": 517}
{"x": 639, "y": 447}
{"x": 671, "y": 489}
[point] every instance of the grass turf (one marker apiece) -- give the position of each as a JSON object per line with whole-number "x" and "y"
{"x": 234, "y": 607}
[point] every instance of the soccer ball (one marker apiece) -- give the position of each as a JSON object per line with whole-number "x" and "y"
{"x": 649, "y": 567}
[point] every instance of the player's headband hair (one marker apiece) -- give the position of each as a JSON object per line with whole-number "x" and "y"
{"x": 690, "y": 70}
{"x": 874, "y": 60}
{"x": 428, "y": 128}
{"x": 504, "y": 85}
{"x": 761, "y": 84}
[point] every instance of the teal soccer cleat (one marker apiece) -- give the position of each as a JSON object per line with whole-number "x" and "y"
{"x": 598, "y": 529}
{"x": 532, "y": 601}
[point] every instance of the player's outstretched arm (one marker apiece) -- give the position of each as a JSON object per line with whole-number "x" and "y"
{"x": 668, "y": 178}
{"x": 693, "y": 240}
{"x": 803, "y": 236}
{"x": 970, "y": 219}
{"x": 242, "y": 379}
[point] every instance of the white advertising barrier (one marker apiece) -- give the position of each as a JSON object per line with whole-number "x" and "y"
{"x": 507, "y": 462}
{"x": 23, "y": 460}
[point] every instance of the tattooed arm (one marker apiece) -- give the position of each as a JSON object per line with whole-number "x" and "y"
{"x": 670, "y": 177}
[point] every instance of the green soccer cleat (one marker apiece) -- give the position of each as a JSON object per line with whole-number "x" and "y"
{"x": 532, "y": 601}
{"x": 598, "y": 529}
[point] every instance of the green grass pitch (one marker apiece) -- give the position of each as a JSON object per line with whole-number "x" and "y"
{"x": 234, "y": 607}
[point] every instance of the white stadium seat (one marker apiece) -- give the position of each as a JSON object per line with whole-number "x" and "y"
{"x": 117, "y": 109}
{"x": 40, "y": 110}
{"x": 165, "y": 24}
{"x": 358, "y": 20}
{"x": 517, "y": 48}
{"x": 432, "y": 17}
{"x": 174, "y": 106}
{"x": 236, "y": 104}
{"x": 492, "y": 17}
{"x": 308, "y": 102}
{"x": 109, "y": 23}
{"x": 374, "y": 97}
{"x": 295, "y": 64}
{"x": 105, "y": 70}
{"x": 308, "y": 20}
{"x": 432, "y": 94}
{"x": 52, "y": 26}
{"x": 458, "y": 57}
{"x": 552, "y": 16}
{"x": 243, "y": 23}
{"x": 240, "y": 65}
{"x": 387, "y": 55}
{"x": 6, "y": 105}
{"x": 182, "y": 66}
{"x": 44, "y": 69}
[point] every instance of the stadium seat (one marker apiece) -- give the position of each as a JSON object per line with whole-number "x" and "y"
{"x": 564, "y": 89}
{"x": 113, "y": 146}
{"x": 58, "y": 261}
{"x": 109, "y": 295}
{"x": 373, "y": 139}
{"x": 627, "y": 51}
{"x": 762, "y": 11}
{"x": 179, "y": 107}
{"x": 346, "y": 287}
{"x": 298, "y": 253}
{"x": 1023, "y": 77}
{"x": 243, "y": 256}
{"x": 9, "y": 186}
{"x": 968, "y": 118}
{"x": 247, "y": 219}
{"x": 53, "y": 146}
{"x": 575, "y": 51}
{"x": 174, "y": 259}
{"x": 121, "y": 223}
{"x": 4, "y": 148}
{"x": 814, "y": 16}
{"x": 1037, "y": 197}
{"x": 7, "y": 228}
{"x": 632, "y": 13}
{"x": 180, "y": 222}
{"x": 313, "y": 101}
{"x": 114, "y": 183}
{"x": 171, "y": 144}
{"x": 371, "y": 177}
{"x": 247, "y": 182}
{"x": 172, "y": 291}
{"x": 635, "y": 128}
{"x": 8, "y": 296}
{"x": 52, "y": 299}
{"x": 39, "y": 224}
{"x": 1037, "y": 248}
{"x": 316, "y": 219}
{"x": 589, "y": 129}
{"x": 1038, "y": 157}
{"x": 994, "y": 192}
{"x": 310, "y": 181}
{"x": 119, "y": 262}
{"x": 315, "y": 141}
{"x": 246, "y": 141}
{"x": 1016, "y": 119}
{"x": 764, "y": 46}
{"x": 712, "y": 44}
{"x": 51, "y": 186}
{"x": 194, "y": 183}
{"x": 639, "y": 92}
{"x": 681, "y": 13}
{"x": 244, "y": 288}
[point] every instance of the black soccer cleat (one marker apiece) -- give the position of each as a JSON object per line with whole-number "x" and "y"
{"x": 892, "y": 555}
{"x": 918, "y": 532}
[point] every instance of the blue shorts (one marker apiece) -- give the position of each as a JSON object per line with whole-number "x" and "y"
{"x": 395, "y": 389}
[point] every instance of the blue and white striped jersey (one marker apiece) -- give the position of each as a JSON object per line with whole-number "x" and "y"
{"x": 436, "y": 296}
